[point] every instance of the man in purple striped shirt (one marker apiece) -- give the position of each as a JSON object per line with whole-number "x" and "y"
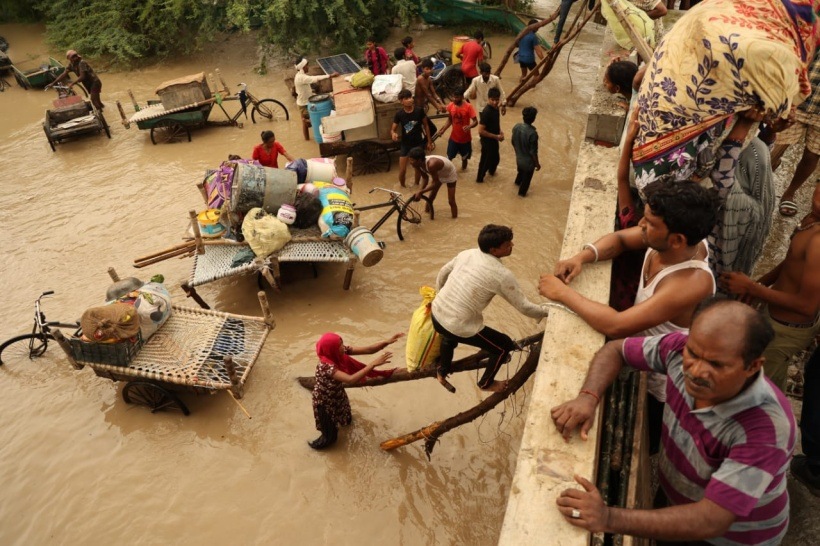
{"x": 728, "y": 434}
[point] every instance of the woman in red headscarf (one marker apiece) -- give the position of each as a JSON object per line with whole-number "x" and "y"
{"x": 331, "y": 407}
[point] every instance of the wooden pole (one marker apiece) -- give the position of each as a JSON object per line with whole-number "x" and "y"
{"x": 191, "y": 292}
{"x": 533, "y": 27}
{"x": 123, "y": 118}
{"x": 473, "y": 362}
{"x": 349, "y": 174}
{"x": 201, "y": 187}
{"x": 163, "y": 257}
{"x": 113, "y": 274}
{"x": 188, "y": 244}
{"x": 263, "y": 303}
{"x": 224, "y": 85}
{"x": 238, "y": 403}
{"x": 640, "y": 44}
{"x": 236, "y": 384}
{"x": 66, "y": 347}
{"x": 432, "y": 433}
{"x": 134, "y": 101}
{"x": 200, "y": 248}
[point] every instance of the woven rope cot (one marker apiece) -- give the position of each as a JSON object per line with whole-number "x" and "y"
{"x": 189, "y": 350}
{"x": 215, "y": 263}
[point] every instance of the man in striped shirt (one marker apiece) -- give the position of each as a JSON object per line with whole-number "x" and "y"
{"x": 728, "y": 434}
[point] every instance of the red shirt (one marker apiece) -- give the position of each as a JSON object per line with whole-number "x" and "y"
{"x": 471, "y": 54}
{"x": 268, "y": 159}
{"x": 461, "y": 116}
{"x": 377, "y": 60}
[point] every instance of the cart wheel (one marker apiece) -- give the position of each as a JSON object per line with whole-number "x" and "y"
{"x": 153, "y": 396}
{"x": 269, "y": 110}
{"x": 168, "y": 130}
{"x": 48, "y": 136}
{"x": 26, "y": 346}
{"x": 409, "y": 214}
{"x": 21, "y": 81}
{"x": 369, "y": 158}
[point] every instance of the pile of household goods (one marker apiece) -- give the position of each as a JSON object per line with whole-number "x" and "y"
{"x": 264, "y": 206}
{"x": 114, "y": 332}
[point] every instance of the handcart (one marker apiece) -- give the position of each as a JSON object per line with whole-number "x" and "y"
{"x": 187, "y": 103}
{"x": 40, "y": 75}
{"x": 72, "y": 117}
{"x": 196, "y": 350}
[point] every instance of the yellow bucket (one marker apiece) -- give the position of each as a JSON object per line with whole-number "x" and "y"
{"x": 209, "y": 225}
{"x": 458, "y": 43}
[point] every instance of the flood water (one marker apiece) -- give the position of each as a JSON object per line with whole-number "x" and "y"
{"x": 79, "y": 465}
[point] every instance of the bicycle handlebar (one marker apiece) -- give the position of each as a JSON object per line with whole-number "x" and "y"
{"x": 391, "y": 192}
{"x": 47, "y": 293}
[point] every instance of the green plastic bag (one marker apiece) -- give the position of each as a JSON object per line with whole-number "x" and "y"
{"x": 362, "y": 78}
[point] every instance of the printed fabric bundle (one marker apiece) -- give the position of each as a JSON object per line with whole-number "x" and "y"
{"x": 721, "y": 58}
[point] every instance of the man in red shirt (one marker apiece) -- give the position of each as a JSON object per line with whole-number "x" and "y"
{"x": 462, "y": 118}
{"x": 471, "y": 54}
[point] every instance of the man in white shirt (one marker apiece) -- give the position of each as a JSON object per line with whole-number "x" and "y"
{"x": 302, "y": 81}
{"x": 465, "y": 286}
{"x": 406, "y": 68}
{"x": 481, "y": 84}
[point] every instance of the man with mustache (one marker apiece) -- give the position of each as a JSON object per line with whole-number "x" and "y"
{"x": 728, "y": 434}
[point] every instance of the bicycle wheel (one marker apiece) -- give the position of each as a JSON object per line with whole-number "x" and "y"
{"x": 269, "y": 110}
{"x": 26, "y": 346}
{"x": 409, "y": 215}
{"x": 153, "y": 396}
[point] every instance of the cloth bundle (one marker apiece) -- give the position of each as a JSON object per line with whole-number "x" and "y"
{"x": 721, "y": 58}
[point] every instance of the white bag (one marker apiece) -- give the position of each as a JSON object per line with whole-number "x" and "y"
{"x": 386, "y": 87}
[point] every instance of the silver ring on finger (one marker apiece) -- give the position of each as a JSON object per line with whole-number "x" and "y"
{"x": 576, "y": 514}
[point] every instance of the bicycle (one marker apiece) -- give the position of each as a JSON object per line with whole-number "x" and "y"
{"x": 396, "y": 202}
{"x": 34, "y": 345}
{"x": 266, "y": 109}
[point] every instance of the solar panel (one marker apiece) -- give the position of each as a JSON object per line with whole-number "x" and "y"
{"x": 342, "y": 64}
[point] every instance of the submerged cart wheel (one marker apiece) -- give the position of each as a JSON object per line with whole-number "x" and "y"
{"x": 24, "y": 347}
{"x": 450, "y": 80}
{"x": 369, "y": 158}
{"x": 48, "y": 136}
{"x": 409, "y": 214}
{"x": 153, "y": 396}
{"x": 21, "y": 81}
{"x": 168, "y": 130}
{"x": 269, "y": 110}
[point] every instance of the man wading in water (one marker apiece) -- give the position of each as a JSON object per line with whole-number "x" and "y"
{"x": 465, "y": 287}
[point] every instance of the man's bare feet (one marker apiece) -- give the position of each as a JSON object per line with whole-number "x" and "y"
{"x": 496, "y": 386}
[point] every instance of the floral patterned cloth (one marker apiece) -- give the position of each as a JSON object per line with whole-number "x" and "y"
{"x": 722, "y": 57}
{"x": 329, "y": 396}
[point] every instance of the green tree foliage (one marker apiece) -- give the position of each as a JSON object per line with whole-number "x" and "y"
{"x": 128, "y": 30}
{"x": 338, "y": 25}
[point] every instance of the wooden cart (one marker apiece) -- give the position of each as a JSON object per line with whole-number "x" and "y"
{"x": 40, "y": 75}
{"x": 196, "y": 350}
{"x": 73, "y": 117}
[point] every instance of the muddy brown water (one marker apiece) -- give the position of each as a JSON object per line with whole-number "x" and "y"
{"x": 81, "y": 466}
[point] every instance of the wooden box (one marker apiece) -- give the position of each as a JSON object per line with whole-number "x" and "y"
{"x": 384, "y": 117}
{"x": 185, "y": 91}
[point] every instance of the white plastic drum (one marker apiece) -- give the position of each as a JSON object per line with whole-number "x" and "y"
{"x": 364, "y": 246}
{"x": 321, "y": 169}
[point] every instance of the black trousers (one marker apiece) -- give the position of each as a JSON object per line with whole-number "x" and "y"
{"x": 522, "y": 180}
{"x": 498, "y": 345}
{"x": 489, "y": 158}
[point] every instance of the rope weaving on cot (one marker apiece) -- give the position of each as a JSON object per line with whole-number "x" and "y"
{"x": 216, "y": 262}
{"x": 190, "y": 347}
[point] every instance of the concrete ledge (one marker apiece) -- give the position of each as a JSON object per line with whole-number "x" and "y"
{"x": 546, "y": 464}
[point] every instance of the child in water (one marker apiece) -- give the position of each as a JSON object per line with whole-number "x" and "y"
{"x": 331, "y": 407}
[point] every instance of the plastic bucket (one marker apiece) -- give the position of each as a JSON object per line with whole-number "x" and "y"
{"x": 321, "y": 169}
{"x": 458, "y": 43}
{"x": 262, "y": 187}
{"x": 329, "y": 137}
{"x": 364, "y": 246}
{"x": 209, "y": 225}
{"x": 319, "y": 106}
